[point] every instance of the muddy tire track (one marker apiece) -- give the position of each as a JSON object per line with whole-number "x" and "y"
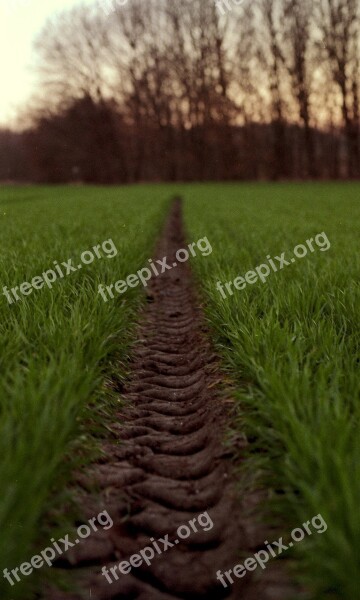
{"x": 164, "y": 463}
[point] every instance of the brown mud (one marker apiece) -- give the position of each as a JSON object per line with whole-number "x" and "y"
{"x": 165, "y": 463}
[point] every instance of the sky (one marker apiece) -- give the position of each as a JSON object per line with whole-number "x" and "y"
{"x": 20, "y": 21}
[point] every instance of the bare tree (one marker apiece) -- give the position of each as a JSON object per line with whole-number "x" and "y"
{"x": 184, "y": 90}
{"x": 296, "y": 34}
{"x": 175, "y": 82}
{"x": 273, "y": 62}
{"x": 338, "y": 23}
{"x": 70, "y": 54}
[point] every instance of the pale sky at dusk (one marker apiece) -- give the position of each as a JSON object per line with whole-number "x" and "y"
{"x": 20, "y": 21}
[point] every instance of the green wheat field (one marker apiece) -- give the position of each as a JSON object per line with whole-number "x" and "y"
{"x": 290, "y": 348}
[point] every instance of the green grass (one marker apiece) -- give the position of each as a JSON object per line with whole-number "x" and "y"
{"x": 292, "y": 347}
{"x": 58, "y": 346}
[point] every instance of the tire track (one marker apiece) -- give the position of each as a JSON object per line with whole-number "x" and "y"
{"x": 170, "y": 464}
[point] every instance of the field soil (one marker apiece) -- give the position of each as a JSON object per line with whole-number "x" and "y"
{"x": 165, "y": 463}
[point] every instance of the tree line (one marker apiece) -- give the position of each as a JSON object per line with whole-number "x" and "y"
{"x": 194, "y": 90}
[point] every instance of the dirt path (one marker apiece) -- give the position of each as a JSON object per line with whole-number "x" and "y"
{"x": 170, "y": 465}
